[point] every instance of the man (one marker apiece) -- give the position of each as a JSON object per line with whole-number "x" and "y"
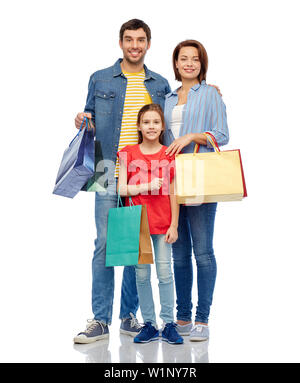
{"x": 115, "y": 95}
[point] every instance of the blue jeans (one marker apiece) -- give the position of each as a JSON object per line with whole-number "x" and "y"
{"x": 102, "y": 276}
{"x": 162, "y": 252}
{"x": 195, "y": 233}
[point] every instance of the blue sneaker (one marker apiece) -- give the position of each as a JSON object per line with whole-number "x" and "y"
{"x": 147, "y": 334}
{"x": 169, "y": 334}
{"x": 95, "y": 330}
{"x": 130, "y": 326}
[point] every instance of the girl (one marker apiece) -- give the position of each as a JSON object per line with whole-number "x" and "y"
{"x": 146, "y": 174}
{"x": 191, "y": 110}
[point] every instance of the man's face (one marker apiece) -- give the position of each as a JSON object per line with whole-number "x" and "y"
{"x": 134, "y": 45}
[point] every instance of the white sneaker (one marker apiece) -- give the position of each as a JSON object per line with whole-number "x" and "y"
{"x": 199, "y": 333}
{"x": 184, "y": 329}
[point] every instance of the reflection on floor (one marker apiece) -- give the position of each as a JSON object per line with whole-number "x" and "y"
{"x": 121, "y": 349}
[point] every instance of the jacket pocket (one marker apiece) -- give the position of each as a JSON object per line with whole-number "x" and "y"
{"x": 104, "y": 101}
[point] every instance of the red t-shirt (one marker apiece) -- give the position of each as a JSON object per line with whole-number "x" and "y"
{"x": 143, "y": 168}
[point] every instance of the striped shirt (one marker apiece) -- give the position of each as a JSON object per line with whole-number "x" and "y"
{"x": 204, "y": 111}
{"x": 135, "y": 98}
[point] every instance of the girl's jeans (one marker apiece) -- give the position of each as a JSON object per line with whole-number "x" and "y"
{"x": 162, "y": 251}
{"x": 195, "y": 232}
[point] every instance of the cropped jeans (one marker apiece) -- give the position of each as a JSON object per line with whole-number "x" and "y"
{"x": 162, "y": 251}
{"x": 102, "y": 276}
{"x": 195, "y": 235}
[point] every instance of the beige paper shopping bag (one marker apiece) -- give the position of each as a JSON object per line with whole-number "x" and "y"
{"x": 209, "y": 177}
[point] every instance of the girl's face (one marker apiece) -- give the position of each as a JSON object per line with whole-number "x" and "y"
{"x": 188, "y": 63}
{"x": 150, "y": 126}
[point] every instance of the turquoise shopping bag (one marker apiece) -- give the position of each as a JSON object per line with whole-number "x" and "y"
{"x": 128, "y": 236}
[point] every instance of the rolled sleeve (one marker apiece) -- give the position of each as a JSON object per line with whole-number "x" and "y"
{"x": 219, "y": 127}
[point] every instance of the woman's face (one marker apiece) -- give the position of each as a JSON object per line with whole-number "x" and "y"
{"x": 188, "y": 63}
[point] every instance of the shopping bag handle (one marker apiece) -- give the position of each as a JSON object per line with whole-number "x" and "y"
{"x": 88, "y": 124}
{"x": 212, "y": 140}
{"x": 212, "y": 137}
{"x": 79, "y": 130}
{"x": 120, "y": 201}
{"x": 84, "y": 120}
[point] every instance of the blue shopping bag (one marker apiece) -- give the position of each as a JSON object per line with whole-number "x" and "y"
{"x": 98, "y": 182}
{"x": 77, "y": 165}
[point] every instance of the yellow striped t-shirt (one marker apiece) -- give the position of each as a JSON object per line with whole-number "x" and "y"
{"x": 135, "y": 98}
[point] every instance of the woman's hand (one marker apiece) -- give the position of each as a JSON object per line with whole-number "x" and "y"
{"x": 178, "y": 144}
{"x": 171, "y": 235}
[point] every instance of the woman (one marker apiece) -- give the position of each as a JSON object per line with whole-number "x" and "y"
{"x": 192, "y": 109}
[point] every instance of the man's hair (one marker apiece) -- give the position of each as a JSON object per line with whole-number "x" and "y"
{"x": 202, "y": 57}
{"x": 152, "y": 108}
{"x": 133, "y": 25}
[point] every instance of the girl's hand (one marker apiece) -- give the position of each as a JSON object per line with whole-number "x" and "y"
{"x": 155, "y": 184}
{"x": 178, "y": 144}
{"x": 171, "y": 235}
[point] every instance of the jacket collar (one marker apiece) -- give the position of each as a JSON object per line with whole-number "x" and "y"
{"x": 117, "y": 71}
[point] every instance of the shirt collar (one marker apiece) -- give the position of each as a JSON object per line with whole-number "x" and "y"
{"x": 194, "y": 88}
{"x": 117, "y": 71}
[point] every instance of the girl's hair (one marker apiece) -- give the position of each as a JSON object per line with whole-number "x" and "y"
{"x": 152, "y": 108}
{"x": 202, "y": 57}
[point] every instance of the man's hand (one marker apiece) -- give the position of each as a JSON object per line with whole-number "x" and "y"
{"x": 79, "y": 118}
{"x": 218, "y": 89}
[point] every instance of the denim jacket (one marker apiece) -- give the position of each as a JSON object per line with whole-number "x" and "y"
{"x": 105, "y": 101}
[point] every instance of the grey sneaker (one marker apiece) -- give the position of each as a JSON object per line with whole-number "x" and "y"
{"x": 95, "y": 330}
{"x": 199, "y": 333}
{"x": 184, "y": 329}
{"x": 130, "y": 326}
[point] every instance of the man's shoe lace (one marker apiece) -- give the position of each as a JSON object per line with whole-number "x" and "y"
{"x": 92, "y": 324}
{"x": 134, "y": 322}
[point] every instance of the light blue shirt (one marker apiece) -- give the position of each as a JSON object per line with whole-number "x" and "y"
{"x": 204, "y": 111}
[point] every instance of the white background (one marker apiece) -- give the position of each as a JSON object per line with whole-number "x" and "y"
{"x": 49, "y": 50}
